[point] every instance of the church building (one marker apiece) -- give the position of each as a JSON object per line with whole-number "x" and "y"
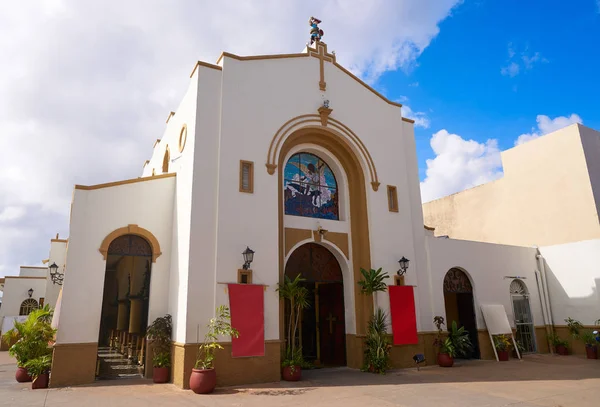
{"x": 296, "y": 160}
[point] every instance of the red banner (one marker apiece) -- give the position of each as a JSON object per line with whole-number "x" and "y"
{"x": 404, "y": 318}
{"x": 248, "y": 317}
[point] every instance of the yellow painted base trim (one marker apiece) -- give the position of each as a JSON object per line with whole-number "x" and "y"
{"x": 73, "y": 364}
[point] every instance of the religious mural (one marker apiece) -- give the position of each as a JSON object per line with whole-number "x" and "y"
{"x": 310, "y": 188}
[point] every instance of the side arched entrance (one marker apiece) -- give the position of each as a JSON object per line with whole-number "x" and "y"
{"x": 125, "y": 304}
{"x": 322, "y": 332}
{"x": 460, "y": 305}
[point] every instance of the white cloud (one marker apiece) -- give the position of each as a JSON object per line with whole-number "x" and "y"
{"x": 526, "y": 61}
{"x": 511, "y": 70}
{"x": 12, "y": 213}
{"x": 420, "y": 118}
{"x": 459, "y": 164}
{"x": 89, "y": 83}
{"x": 547, "y": 125}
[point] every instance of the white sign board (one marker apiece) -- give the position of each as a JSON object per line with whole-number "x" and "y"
{"x": 497, "y": 323}
{"x": 496, "y": 319}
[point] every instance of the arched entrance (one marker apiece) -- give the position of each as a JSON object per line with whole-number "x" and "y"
{"x": 522, "y": 314}
{"x": 460, "y": 306}
{"x": 322, "y": 330}
{"x": 125, "y": 304}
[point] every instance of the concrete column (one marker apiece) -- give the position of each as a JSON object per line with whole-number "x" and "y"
{"x": 122, "y": 316}
{"x": 135, "y": 315}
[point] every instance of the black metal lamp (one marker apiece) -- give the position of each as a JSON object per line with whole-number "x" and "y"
{"x": 30, "y": 292}
{"x": 248, "y": 257}
{"x": 403, "y": 265}
{"x": 55, "y": 276}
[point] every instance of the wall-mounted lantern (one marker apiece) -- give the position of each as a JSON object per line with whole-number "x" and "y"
{"x": 248, "y": 257}
{"x": 403, "y": 266}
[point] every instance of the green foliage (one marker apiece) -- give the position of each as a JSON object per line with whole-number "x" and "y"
{"x": 459, "y": 338}
{"x": 502, "y": 342}
{"x": 31, "y": 337}
{"x": 218, "y": 326}
{"x": 574, "y": 327}
{"x": 159, "y": 332}
{"x": 297, "y": 295}
{"x": 38, "y": 366}
{"x": 447, "y": 347}
{"x": 377, "y": 344}
{"x": 556, "y": 340}
{"x": 439, "y": 340}
{"x": 588, "y": 338}
{"x": 372, "y": 281}
{"x": 161, "y": 360}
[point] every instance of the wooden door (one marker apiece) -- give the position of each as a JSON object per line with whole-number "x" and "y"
{"x": 332, "y": 329}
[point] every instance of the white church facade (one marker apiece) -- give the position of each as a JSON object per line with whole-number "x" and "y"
{"x": 298, "y": 159}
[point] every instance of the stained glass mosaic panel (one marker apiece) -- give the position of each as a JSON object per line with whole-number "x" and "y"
{"x": 310, "y": 188}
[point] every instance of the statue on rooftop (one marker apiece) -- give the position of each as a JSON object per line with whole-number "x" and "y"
{"x": 315, "y": 32}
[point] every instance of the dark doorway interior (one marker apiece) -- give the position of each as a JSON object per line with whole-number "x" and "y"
{"x": 322, "y": 329}
{"x": 460, "y": 307}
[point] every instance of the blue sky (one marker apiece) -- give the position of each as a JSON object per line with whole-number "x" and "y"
{"x": 460, "y": 84}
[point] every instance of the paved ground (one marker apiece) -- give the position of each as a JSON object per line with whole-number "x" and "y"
{"x": 537, "y": 381}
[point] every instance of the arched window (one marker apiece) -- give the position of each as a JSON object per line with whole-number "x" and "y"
{"x": 166, "y": 159}
{"x": 517, "y": 287}
{"x": 27, "y": 306}
{"x": 310, "y": 188}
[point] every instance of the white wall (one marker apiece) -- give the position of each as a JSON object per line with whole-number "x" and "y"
{"x": 487, "y": 265}
{"x": 95, "y": 214}
{"x": 258, "y": 97}
{"x": 32, "y": 271}
{"x": 573, "y": 274}
{"x": 16, "y": 291}
{"x": 58, "y": 255}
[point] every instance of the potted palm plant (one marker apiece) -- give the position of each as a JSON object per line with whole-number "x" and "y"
{"x": 31, "y": 339}
{"x": 591, "y": 345}
{"x": 502, "y": 345}
{"x": 377, "y": 345}
{"x": 561, "y": 346}
{"x": 457, "y": 344}
{"x": 297, "y": 296}
{"x": 39, "y": 369}
{"x": 159, "y": 332}
{"x": 204, "y": 378}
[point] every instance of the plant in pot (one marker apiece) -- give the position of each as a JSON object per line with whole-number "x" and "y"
{"x": 39, "y": 369}
{"x": 204, "y": 378}
{"x": 561, "y": 346}
{"x": 521, "y": 349}
{"x": 591, "y": 344}
{"x": 574, "y": 326}
{"x": 30, "y": 340}
{"x": 296, "y": 295}
{"x": 159, "y": 332}
{"x": 445, "y": 356}
{"x": 377, "y": 346}
{"x": 503, "y": 345}
{"x": 457, "y": 344}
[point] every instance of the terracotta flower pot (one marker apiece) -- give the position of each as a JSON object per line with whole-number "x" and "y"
{"x": 503, "y": 355}
{"x": 41, "y": 382}
{"x": 292, "y": 375}
{"x": 591, "y": 352}
{"x": 562, "y": 350}
{"x": 203, "y": 381}
{"x": 445, "y": 360}
{"x": 160, "y": 375}
{"x": 22, "y": 376}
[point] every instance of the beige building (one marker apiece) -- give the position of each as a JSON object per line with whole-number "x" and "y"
{"x": 549, "y": 195}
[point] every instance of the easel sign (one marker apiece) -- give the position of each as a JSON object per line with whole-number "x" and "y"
{"x": 497, "y": 324}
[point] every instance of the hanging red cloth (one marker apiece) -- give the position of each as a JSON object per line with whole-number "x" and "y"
{"x": 246, "y": 303}
{"x": 404, "y": 317}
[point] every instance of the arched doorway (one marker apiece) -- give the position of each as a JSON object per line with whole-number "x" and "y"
{"x": 522, "y": 314}
{"x": 125, "y": 304}
{"x": 28, "y": 306}
{"x": 460, "y": 306}
{"x": 322, "y": 329}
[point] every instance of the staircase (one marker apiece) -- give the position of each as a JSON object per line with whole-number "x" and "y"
{"x": 114, "y": 365}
